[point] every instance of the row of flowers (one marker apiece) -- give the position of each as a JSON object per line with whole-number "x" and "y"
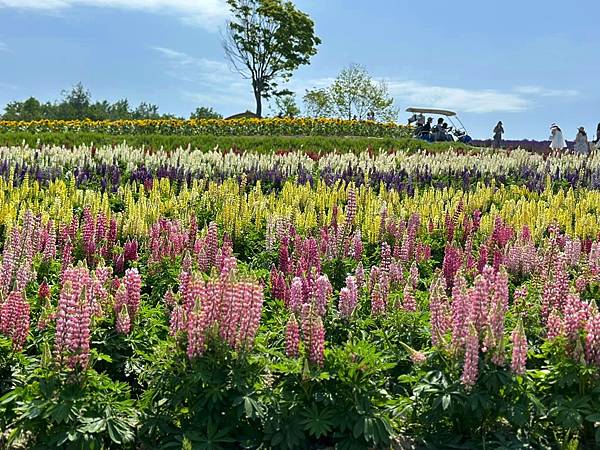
{"x": 402, "y": 170}
{"x": 218, "y": 127}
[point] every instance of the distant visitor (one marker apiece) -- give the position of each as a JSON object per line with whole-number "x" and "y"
{"x": 557, "y": 140}
{"x": 498, "y": 132}
{"x": 582, "y": 145}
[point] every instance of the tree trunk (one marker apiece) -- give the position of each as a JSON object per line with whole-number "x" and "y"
{"x": 258, "y": 98}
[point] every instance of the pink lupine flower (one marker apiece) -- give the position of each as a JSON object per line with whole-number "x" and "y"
{"x": 130, "y": 250}
{"x": 296, "y": 295}
{"x": 123, "y": 324}
{"x": 44, "y": 291}
{"x": 554, "y": 325}
{"x": 439, "y": 310}
{"x": 176, "y": 320}
{"x": 351, "y": 206}
{"x": 14, "y": 319}
{"x": 592, "y": 338}
{"x": 461, "y": 311}
{"x": 471, "y": 366}
{"x": 413, "y": 276}
{"x": 575, "y": 312}
{"x": 72, "y": 340}
{"x": 408, "y": 300}
{"x": 348, "y": 298}
{"x": 133, "y": 285}
{"x": 451, "y": 264}
{"x": 417, "y": 357}
{"x": 386, "y": 256}
{"x": 520, "y": 296}
{"x": 519, "y": 352}
{"x": 359, "y": 274}
{"x": 317, "y": 342}
{"x": 322, "y": 292}
{"x": 292, "y": 338}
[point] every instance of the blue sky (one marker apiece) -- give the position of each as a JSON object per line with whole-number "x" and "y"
{"x": 527, "y": 63}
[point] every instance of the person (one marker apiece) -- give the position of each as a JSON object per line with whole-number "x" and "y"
{"x": 425, "y": 131}
{"x": 371, "y": 116}
{"x": 498, "y": 132}
{"x": 438, "y": 130}
{"x": 582, "y": 145}
{"x": 557, "y": 141}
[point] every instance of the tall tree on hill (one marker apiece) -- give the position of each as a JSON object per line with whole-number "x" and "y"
{"x": 266, "y": 41}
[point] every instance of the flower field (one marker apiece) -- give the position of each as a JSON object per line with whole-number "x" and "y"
{"x": 218, "y": 127}
{"x": 189, "y": 299}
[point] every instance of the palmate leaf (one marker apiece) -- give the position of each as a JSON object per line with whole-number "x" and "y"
{"x": 318, "y": 423}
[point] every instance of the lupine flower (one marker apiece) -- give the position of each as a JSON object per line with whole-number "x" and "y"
{"x": 471, "y": 366}
{"x": 451, "y": 264}
{"x": 296, "y": 295}
{"x": 72, "y": 340}
{"x": 322, "y": 292}
{"x": 408, "y": 300}
{"x": 348, "y": 298}
{"x": 14, "y": 319}
{"x": 292, "y": 338}
{"x": 592, "y": 338}
{"x": 316, "y": 347}
{"x": 440, "y": 314}
{"x": 519, "y": 352}
{"x": 133, "y": 285}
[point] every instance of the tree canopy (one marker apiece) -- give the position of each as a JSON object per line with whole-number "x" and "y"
{"x": 77, "y": 104}
{"x": 266, "y": 41}
{"x": 354, "y": 93}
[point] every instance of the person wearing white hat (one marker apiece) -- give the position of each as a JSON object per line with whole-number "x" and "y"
{"x": 557, "y": 141}
{"x": 582, "y": 145}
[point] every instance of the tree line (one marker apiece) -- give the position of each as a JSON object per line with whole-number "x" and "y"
{"x": 265, "y": 42}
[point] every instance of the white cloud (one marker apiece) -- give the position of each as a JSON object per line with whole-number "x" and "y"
{"x": 4, "y": 47}
{"x": 543, "y": 92}
{"x": 206, "y": 13}
{"x": 465, "y": 100}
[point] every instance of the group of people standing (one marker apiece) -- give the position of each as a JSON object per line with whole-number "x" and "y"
{"x": 557, "y": 141}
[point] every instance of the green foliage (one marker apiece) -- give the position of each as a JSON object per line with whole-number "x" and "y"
{"x": 285, "y": 106}
{"x": 266, "y": 41}
{"x": 353, "y": 94}
{"x": 202, "y": 112}
{"x": 77, "y": 104}
{"x": 54, "y": 410}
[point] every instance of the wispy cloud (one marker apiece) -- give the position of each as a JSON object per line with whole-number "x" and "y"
{"x": 540, "y": 91}
{"x": 462, "y": 99}
{"x": 206, "y": 81}
{"x": 208, "y": 14}
{"x": 4, "y": 47}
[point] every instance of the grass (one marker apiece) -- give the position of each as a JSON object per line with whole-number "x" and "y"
{"x": 209, "y": 142}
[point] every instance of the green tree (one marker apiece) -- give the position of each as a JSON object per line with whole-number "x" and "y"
{"x": 266, "y": 41}
{"x": 202, "y": 112}
{"x": 285, "y": 106}
{"x": 317, "y": 103}
{"x": 353, "y": 93}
